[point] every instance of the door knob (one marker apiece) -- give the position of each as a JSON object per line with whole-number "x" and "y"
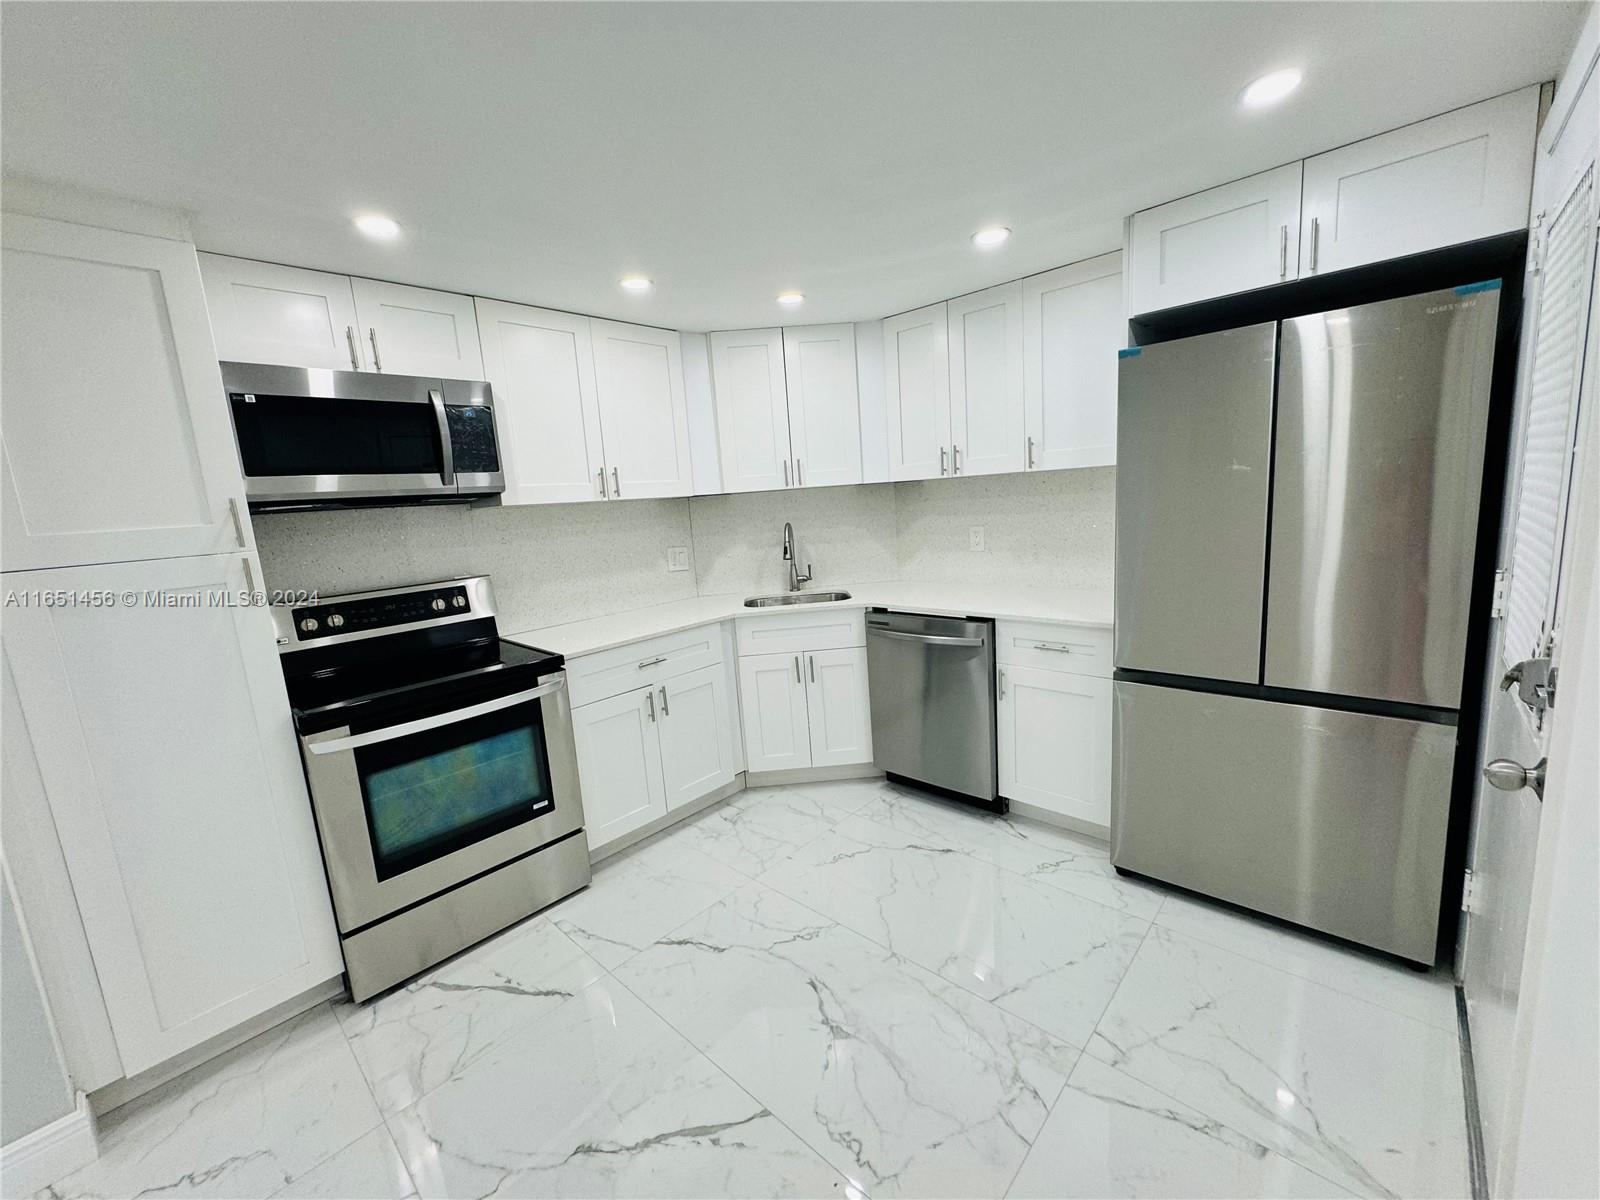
{"x": 1511, "y": 776}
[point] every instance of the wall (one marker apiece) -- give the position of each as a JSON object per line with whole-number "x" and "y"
{"x": 846, "y": 533}
{"x": 33, "y": 1083}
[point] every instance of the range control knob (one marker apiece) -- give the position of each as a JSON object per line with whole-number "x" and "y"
{"x": 459, "y": 601}
{"x": 308, "y": 624}
{"x": 438, "y": 604}
{"x": 335, "y": 621}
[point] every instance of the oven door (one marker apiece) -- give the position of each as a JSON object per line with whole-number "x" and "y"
{"x": 431, "y": 799}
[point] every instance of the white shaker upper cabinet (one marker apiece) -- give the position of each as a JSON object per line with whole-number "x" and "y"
{"x": 1453, "y": 178}
{"x": 824, "y": 408}
{"x": 986, "y": 381}
{"x": 1072, "y": 328}
{"x": 752, "y": 410}
{"x": 266, "y": 313}
{"x": 547, "y": 410}
{"x": 178, "y": 796}
{"x": 1233, "y": 238}
{"x": 414, "y": 331}
{"x": 115, "y": 441}
{"x": 644, "y": 418}
{"x": 916, "y": 384}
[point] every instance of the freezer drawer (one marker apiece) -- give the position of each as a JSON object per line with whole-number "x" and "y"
{"x": 1377, "y": 470}
{"x": 1333, "y": 820}
{"x": 1194, "y": 433}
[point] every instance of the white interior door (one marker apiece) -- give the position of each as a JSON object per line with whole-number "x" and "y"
{"x": 916, "y": 379}
{"x": 178, "y": 796}
{"x": 772, "y": 703}
{"x": 752, "y": 410}
{"x": 266, "y": 313}
{"x": 414, "y": 331}
{"x": 547, "y": 410}
{"x": 1054, "y": 735}
{"x": 697, "y": 750}
{"x": 837, "y": 706}
{"x": 1228, "y": 239}
{"x": 619, "y": 764}
{"x": 644, "y": 419}
{"x": 986, "y": 381}
{"x": 115, "y": 439}
{"x": 824, "y": 408}
{"x": 1072, "y": 328}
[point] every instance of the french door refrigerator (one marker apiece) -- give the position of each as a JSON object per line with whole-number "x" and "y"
{"x": 1297, "y": 512}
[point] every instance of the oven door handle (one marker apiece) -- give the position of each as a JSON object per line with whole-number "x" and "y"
{"x": 422, "y": 724}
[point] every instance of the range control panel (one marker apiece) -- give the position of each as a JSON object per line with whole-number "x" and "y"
{"x": 379, "y": 612}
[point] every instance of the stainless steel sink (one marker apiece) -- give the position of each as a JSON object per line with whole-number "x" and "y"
{"x": 794, "y": 598}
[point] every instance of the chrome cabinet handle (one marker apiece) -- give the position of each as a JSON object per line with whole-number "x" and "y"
{"x": 616, "y": 484}
{"x": 605, "y": 494}
{"x": 1030, "y": 454}
{"x": 1053, "y": 649}
{"x": 1316, "y": 231}
{"x": 1002, "y": 683}
{"x": 422, "y": 724}
{"x": 799, "y": 473}
{"x": 1283, "y": 251}
{"x": 249, "y": 577}
{"x": 797, "y": 668}
{"x": 786, "y": 472}
{"x": 653, "y": 662}
{"x": 238, "y": 521}
{"x": 650, "y": 700}
{"x": 942, "y": 453}
{"x": 955, "y": 460}
{"x": 355, "y": 356}
{"x": 811, "y": 666}
{"x": 665, "y": 711}
{"x": 377, "y": 362}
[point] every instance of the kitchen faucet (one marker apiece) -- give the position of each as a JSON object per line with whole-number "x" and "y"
{"x": 795, "y": 578}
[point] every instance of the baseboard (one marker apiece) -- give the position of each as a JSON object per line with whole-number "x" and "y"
{"x": 812, "y": 775}
{"x": 36, "y": 1160}
{"x": 634, "y": 836}
{"x": 1044, "y": 816}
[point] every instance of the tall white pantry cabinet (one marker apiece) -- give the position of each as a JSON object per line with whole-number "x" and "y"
{"x": 155, "y": 763}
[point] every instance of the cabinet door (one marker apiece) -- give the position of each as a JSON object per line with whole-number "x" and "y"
{"x": 172, "y": 770}
{"x": 547, "y": 412}
{"x": 916, "y": 384}
{"x": 116, "y": 439}
{"x": 752, "y": 410}
{"x": 1452, "y": 178}
{"x": 1232, "y": 238}
{"x": 1072, "y": 328}
{"x": 836, "y": 707}
{"x": 413, "y": 331}
{"x": 266, "y": 313}
{"x": 619, "y": 764}
{"x": 986, "y": 381}
{"x": 772, "y": 703}
{"x": 644, "y": 419}
{"x": 697, "y": 750}
{"x": 824, "y": 409}
{"x": 1055, "y": 742}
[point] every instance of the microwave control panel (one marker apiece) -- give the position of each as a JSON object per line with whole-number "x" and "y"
{"x": 472, "y": 444}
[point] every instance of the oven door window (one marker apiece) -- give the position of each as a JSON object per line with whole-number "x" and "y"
{"x": 432, "y": 793}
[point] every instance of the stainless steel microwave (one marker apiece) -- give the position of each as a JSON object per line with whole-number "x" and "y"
{"x": 310, "y": 438}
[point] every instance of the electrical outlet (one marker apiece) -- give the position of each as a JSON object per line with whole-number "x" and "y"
{"x": 975, "y": 538}
{"x": 677, "y": 558}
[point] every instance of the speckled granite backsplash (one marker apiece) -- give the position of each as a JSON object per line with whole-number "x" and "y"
{"x": 564, "y": 562}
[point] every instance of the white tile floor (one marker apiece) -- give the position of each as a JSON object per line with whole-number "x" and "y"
{"x": 839, "y": 989}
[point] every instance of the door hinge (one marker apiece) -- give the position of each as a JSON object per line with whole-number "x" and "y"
{"x": 1502, "y": 592}
{"x": 1471, "y": 893}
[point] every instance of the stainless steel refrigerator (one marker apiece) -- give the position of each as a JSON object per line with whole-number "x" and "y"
{"x": 1297, "y": 514}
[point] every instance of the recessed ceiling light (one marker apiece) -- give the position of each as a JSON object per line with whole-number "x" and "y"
{"x": 374, "y": 225}
{"x": 635, "y": 283}
{"x": 988, "y": 239}
{"x": 1270, "y": 88}
{"x": 790, "y": 299}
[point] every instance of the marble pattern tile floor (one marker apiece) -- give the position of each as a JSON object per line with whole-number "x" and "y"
{"x": 845, "y": 989}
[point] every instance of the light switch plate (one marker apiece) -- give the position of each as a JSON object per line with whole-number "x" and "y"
{"x": 677, "y": 558}
{"x": 975, "y": 538}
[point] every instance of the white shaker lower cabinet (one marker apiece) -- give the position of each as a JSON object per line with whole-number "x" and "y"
{"x": 772, "y": 701}
{"x": 267, "y": 313}
{"x": 619, "y": 764}
{"x": 837, "y": 708}
{"x": 414, "y": 331}
{"x": 1072, "y": 328}
{"x": 172, "y": 772}
{"x": 916, "y": 385}
{"x": 696, "y": 731}
{"x": 803, "y": 696}
{"x": 1453, "y": 178}
{"x": 1234, "y": 238}
{"x": 116, "y": 439}
{"x": 644, "y": 416}
{"x": 986, "y": 381}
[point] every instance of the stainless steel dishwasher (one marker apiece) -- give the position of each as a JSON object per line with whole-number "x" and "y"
{"x": 932, "y": 686}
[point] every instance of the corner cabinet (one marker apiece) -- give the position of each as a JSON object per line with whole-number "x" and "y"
{"x": 1072, "y": 328}
{"x": 824, "y": 406}
{"x": 644, "y": 418}
{"x": 916, "y": 384}
{"x": 803, "y": 695}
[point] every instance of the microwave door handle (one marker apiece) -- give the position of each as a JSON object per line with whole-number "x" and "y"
{"x": 423, "y": 724}
{"x": 448, "y": 464}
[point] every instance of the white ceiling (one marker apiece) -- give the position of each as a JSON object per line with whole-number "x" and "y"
{"x": 537, "y": 152}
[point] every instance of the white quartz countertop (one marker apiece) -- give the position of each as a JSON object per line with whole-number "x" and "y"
{"x": 1061, "y": 606}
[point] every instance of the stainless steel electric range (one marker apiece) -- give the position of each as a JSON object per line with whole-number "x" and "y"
{"x": 442, "y": 771}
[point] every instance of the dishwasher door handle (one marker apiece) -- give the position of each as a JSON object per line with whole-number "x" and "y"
{"x": 932, "y": 639}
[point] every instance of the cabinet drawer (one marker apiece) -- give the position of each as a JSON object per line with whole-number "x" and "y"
{"x": 800, "y": 631}
{"x": 1080, "y": 649}
{"x": 622, "y": 668}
